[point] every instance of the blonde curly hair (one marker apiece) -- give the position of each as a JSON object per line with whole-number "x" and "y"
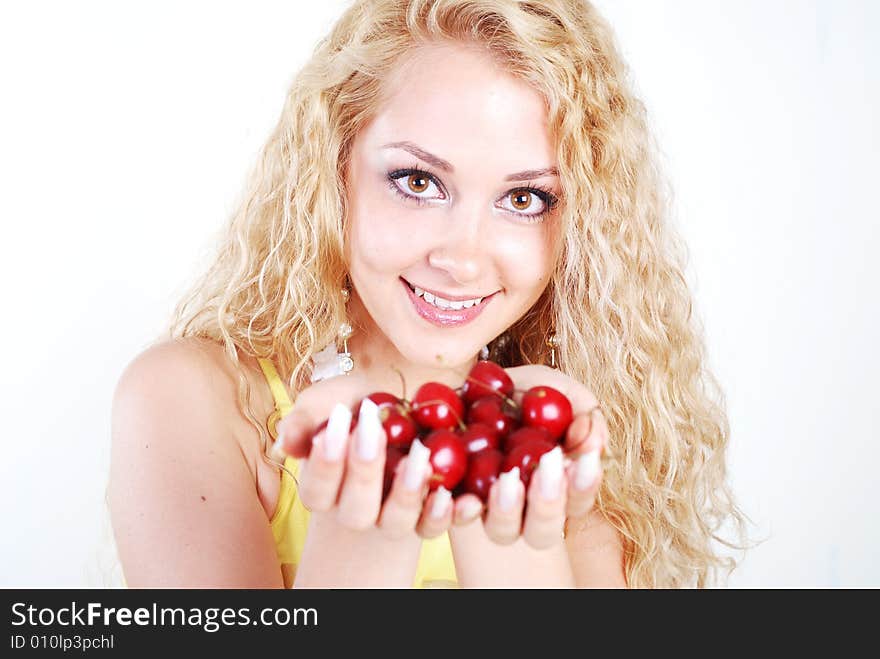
{"x": 618, "y": 300}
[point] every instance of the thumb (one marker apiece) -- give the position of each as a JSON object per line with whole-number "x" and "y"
{"x": 578, "y": 432}
{"x": 295, "y": 431}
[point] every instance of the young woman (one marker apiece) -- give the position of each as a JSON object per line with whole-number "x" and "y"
{"x": 446, "y": 176}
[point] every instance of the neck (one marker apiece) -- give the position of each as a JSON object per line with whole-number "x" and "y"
{"x": 380, "y": 362}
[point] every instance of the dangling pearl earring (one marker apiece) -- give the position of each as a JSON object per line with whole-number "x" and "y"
{"x": 329, "y": 362}
{"x": 553, "y": 343}
{"x": 484, "y": 353}
{"x": 346, "y": 363}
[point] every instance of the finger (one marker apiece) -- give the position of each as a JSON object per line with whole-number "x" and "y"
{"x": 504, "y": 519}
{"x": 467, "y": 509}
{"x": 294, "y": 435}
{"x": 401, "y": 511}
{"x": 525, "y": 377}
{"x": 587, "y": 432}
{"x": 436, "y": 514}
{"x": 360, "y": 498}
{"x": 584, "y": 479}
{"x": 578, "y": 432}
{"x": 531, "y": 375}
{"x": 319, "y": 481}
{"x": 546, "y": 502}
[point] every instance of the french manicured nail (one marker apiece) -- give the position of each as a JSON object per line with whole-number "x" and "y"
{"x": 416, "y": 466}
{"x": 369, "y": 431}
{"x": 469, "y": 508}
{"x": 550, "y": 474}
{"x": 336, "y": 434}
{"x": 587, "y": 470}
{"x": 277, "y": 453}
{"x": 508, "y": 489}
{"x": 442, "y": 497}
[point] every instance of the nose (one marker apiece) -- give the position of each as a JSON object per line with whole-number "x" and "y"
{"x": 462, "y": 253}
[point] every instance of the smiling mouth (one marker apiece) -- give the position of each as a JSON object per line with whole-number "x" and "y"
{"x": 443, "y": 303}
{"x": 441, "y": 311}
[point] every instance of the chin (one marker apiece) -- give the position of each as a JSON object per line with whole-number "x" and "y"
{"x": 432, "y": 354}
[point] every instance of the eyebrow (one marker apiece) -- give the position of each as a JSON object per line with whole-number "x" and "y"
{"x": 445, "y": 165}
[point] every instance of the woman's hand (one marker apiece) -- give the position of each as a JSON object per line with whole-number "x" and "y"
{"x": 562, "y": 486}
{"x": 344, "y": 470}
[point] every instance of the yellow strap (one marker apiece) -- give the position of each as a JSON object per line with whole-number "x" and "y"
{"x": 436, "y": 567}
{"x": 279, "y": 391}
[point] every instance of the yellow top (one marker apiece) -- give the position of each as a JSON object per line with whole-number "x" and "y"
{"x": 436, "y": 568}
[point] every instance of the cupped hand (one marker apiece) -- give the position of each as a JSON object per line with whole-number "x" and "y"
{"x": 568, "y": 477}
{"x": 343, "y": 466}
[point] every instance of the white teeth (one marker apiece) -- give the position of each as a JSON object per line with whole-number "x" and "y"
{"x": 441, "y": 303}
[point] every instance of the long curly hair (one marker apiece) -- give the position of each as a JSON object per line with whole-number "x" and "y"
{"x": 617, "y": 301}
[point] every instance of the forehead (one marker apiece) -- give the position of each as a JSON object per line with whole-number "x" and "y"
{"x": 457, "y": 101}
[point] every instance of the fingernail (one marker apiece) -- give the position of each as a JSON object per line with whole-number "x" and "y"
{"x": 368, "y": 431}
{"x": 469, "y": 509}
{"x": 508, "y": 489}
{"x": 442, "y": 497}
{"x": 416, "y": 466}
{"x": 336, "y": 434}
{"x": 279, "y": 427}
{"x": 587, "y": 470}
{"x": 318, "y": 442}
{"x": 277, "y": 451}
{"x": 550, "y": 474}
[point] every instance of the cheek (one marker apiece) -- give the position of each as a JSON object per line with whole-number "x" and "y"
{"x": 377, "y": 240}
{"x": 524, "y": 258}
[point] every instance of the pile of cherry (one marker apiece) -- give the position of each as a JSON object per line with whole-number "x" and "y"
{"x": 475, "y": 433}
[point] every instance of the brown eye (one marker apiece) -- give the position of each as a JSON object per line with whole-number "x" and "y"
{"x": 521, "y": 199}
{"x": 417, "y": 182}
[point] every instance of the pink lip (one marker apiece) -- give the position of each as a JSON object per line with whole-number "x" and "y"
{"x": 445, "y": 317}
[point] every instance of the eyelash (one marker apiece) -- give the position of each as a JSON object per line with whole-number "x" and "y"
{"x": 546, "y": 196}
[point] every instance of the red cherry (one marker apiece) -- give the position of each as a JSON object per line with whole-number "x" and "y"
{"x": 383, "y": 399}
{"x": 486, "y": 379}
{"x": 547, "y": 408}
{"x": 483, "y": 470}
{"x": 393, "y": 456}
{"x": 526, "y": 457}
{"x": 436, "y": 407}
{"x": 524, "y": 435}
{"x": 400, "y": 429}
{"x": 448, "y": 459}
{"x": 478, "y": 437}
{"x": 492, "y": 411}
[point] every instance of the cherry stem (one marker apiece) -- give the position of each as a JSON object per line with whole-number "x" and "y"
{"x": 507, "y": 400}
{"x": 438, "y": 401}
{"x": 402, "y": 381}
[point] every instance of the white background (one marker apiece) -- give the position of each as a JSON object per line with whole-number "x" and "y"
{"x": 126, "y": 134}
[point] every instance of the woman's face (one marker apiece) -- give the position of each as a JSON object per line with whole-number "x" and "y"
{"x": 450, "y": 190}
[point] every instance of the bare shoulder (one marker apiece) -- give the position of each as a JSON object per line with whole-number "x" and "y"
{"x": 595, "y": 550}
{"x": 173, "y": 377}
{"x": 193, "y": 376}
{"x": 172, "y": 363}
{"x": 182, "y": 498}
